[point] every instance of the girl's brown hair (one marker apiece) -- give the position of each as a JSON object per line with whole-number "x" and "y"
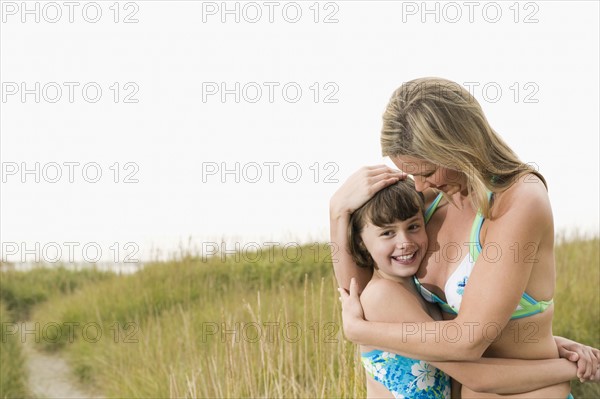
{"x": 400, "y": 201}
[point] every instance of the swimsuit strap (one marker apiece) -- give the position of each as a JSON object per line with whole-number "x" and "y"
{"x": 527, "y": 305}
{"x": 431, "y": 209}
{"x": 474, "y": 243}
{"x": 433, "y": 298}
{"x": 530, "y": 306}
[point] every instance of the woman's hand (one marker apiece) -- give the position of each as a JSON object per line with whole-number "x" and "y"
{"x": 586, "y": 357}
{"x": 352, "y": 311}
{"x": 361, "y": 186}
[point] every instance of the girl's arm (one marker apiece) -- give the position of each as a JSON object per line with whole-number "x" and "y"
{"x": 357, "y": 190}
{"x": 504, "y": 376}
{"x": 587, "y": 358}
{"x": 494, "y": 290}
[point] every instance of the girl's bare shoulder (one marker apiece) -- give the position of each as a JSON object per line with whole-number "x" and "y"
{"x": 389, "y": 301}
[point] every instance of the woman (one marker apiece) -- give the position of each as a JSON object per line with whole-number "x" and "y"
{"x": 387, "y": 235}
{"x": 489, "y": 203}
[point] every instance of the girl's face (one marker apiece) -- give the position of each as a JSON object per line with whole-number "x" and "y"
{"x": 427, "y": 174}
{"x": 398, "y": 248}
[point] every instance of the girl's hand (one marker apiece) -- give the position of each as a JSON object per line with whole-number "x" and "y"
{"x": 361, "y": 186}
{"x": 586, "y": 357}
{"x": 352, "y": 311}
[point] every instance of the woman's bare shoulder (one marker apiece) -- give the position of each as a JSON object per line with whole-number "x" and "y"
{"x": 527, "y": 195}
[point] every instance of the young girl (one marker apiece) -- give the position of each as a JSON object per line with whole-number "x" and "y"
{"x": 388, "y": 235}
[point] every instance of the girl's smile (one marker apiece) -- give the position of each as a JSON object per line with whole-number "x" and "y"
{"x": 398, "y": 248}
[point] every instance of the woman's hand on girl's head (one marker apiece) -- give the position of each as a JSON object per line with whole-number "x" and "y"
{"x": 586, "y": 357}
{"x": 352, "y": 311}
{"x": 361, "y": 186}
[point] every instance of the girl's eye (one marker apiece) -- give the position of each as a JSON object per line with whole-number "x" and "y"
{"x": 414, "y": 226}
{"x": 387, "y": 233}
{"x": 430, "y": 173}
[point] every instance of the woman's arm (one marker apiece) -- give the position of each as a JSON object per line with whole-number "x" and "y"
{"x": 504, "y": 376}
{"x": 507, "y": 376}
{"x": 494, "y": 290}
{"x": 357, "y": 190}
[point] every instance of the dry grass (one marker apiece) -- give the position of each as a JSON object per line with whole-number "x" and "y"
{"x": 270, "y": 328}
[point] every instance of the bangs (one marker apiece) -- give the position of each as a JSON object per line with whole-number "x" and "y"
{"x": 399, "y": 201}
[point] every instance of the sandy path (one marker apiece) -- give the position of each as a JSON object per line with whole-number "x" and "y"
{"x": 50, "y": 375}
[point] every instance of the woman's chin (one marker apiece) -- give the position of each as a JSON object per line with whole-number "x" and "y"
{"x": 453, "y": 190}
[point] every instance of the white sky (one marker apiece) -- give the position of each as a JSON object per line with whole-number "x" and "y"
{"x": 178, "y": 51}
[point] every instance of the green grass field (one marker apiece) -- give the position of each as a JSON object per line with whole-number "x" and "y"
{"x": 234, "y": 327}
{"x": 12, "y": 366}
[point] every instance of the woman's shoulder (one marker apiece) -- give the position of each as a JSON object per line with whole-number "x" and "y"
{"x": 527, "y": 195}
{"x": 526, "y": 187}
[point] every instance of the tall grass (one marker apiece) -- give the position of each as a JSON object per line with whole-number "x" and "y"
{"x": 220, "y": 328}
{"x": 21, "y": 291}
{"x": 577, "y": 299}
{"x": 13, "y": 375}
{"x": 243, "y": 328}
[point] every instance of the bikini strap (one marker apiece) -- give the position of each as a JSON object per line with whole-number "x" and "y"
{"x": 527, "y": 305}
{"x": 433, "y": 298}
{"x": 530, "y": 306}
{"x": 432, "y": 207}
{"x": 474, "y": 243}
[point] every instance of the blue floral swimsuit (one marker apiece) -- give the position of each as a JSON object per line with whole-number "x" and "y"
{"x": 405, "y": 377}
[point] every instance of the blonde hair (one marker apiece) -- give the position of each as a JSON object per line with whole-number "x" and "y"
{"x": 441, "y": 122}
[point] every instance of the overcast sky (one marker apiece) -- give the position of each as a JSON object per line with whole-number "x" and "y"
{"x": 151, "y": 122}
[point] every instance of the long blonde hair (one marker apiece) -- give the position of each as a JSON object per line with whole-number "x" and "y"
{"x": 439, "y": 121}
